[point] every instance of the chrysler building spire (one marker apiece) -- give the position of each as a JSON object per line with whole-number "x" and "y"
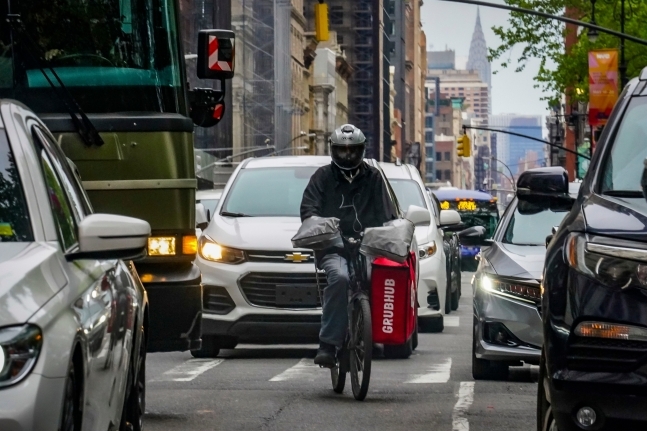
{"x": 477, "y": 59}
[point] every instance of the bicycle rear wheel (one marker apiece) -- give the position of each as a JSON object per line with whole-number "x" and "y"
{"x": 361, "y": 348}
{"x": 338, "y": 373}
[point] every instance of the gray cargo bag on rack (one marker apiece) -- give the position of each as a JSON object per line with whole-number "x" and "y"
{"x": 318, "y": 233}
{"x": 393, "y": 240}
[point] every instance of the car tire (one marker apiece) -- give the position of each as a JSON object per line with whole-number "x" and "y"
{"x": 71, "y": 417}
{"x": 399, "y": 351}
{"x": 414, "y": 336}
{"x": 483, "y": 369}
{"x": 132, "y": 417}
{"x": 434, "y": 325}
{"x": 545, "y": 419}
{"x": 448, "y": 295}
{"x": 455, "y": 297}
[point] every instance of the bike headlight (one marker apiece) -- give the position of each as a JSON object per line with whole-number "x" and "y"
{"x": 214, "y": 252}
{"x": 19, "y": 350}
{"x": 427, "y": 250}
{"x": 614, "y": 266}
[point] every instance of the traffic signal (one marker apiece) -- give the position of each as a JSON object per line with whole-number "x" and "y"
{"x": 464, "y": 146}
{"x": 321, "y": 21}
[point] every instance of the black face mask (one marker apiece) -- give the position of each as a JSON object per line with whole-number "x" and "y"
{"x": 347, "y": 156}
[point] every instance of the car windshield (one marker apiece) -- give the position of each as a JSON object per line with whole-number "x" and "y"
{"x": 624, "y": 166}
{"x": 488, "y": 221}
{"x": 268, "y": 192}
{"x": 408, "y": 193}
{"x": 14, "y": 218}
{"x": 112, "y": 55}
{"x": 532, "y": 222}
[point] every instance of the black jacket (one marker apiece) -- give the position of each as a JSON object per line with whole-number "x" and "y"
{"x": 358, "y": 205}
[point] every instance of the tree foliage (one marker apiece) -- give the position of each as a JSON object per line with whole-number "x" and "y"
{"x": 541, "y": 38}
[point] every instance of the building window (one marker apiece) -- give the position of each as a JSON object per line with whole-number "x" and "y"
{"x": 429, "y": 137}
{"x": 340, "y": 39}
{"x": 448, "y": 175}
{"x": 337, "y": 15}
{"x": 448, "y": 156}
{"x": 439, "y": 175}
{"x": 439, "y": 156}
{"x": 429, "y": 122}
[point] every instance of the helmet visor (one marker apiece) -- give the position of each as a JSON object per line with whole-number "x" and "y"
{"x": 347, "y": 156}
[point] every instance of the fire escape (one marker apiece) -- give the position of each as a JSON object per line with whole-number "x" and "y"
{"x": 362, "y": 95}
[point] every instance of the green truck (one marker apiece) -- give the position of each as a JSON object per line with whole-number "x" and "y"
{"x": 108, "y": 78}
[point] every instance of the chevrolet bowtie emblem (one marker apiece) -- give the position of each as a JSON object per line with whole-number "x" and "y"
{"x": 297, "y": 257}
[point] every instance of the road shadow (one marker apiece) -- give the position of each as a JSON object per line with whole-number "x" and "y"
{"x": 268, "y": 353}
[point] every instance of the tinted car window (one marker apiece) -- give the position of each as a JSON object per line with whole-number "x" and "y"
{"x": 624, "y": 166}
{"x": 531, "y": 222}
{"x": 408, "y": 193}
{"x": 14, "y": 218}
{"x": 269, "y": 192}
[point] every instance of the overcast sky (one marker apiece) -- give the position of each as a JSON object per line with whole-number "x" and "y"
{"x": 450, "y": 25}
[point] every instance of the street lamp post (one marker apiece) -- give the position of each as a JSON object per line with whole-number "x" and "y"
{"x": 511, "y": 179}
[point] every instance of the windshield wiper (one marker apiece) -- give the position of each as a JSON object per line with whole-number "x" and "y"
{"x": 84, "y": 126}
{"x": 624, "y": 193}
{"x": 229, "y": 214}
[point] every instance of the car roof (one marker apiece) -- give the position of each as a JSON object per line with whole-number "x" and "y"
{"x": 397, "y": 171}
{"x": 285, "y": 161}
{"x": 208, "y": 194}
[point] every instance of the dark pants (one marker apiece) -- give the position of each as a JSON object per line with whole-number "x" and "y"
{"x": 334, "y": 318}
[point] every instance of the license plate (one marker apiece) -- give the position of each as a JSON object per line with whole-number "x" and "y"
{"x": 295, "y": 296}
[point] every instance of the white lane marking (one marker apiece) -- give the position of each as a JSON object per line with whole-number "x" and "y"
{"x": 305, "y": 369}
{"x": 437, "y": 374}
{"x": 465, "y": 400}
{"x": 451, "y": 321}
{"x": 189, "y": 370}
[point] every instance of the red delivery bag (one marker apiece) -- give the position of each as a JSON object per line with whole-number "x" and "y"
{"x": 393, "y": 300}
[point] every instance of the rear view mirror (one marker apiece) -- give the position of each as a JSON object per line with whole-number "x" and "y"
{"x": 449, "y": 218}
{"x": 418, "y": 216}
{"x": 108, "y": 236}
{"x": 216, "y": 54}
{"x": 201, "y": 217}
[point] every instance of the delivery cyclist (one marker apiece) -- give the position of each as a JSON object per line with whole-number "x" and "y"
{"x": 356, "y": 194}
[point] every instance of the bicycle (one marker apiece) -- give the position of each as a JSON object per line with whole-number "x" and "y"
{"x": 356, "y": 354}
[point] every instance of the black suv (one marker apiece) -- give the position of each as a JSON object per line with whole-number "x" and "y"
{"x": 593, "y": 373}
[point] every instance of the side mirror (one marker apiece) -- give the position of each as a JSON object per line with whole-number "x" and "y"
{"x": 207, "y": 106}
{"x": 418, "y": 216}
{"x": 449, "y": 218}
{"x": 216, "y": 53}
{"x": 108, "y": 236}
{"x": 472, "y": 232}
{"x": 201, "y": 217}
{"x": 549, "y": 238}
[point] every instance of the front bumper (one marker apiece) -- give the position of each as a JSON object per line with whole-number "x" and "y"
{"x": 33, "y": 404}
{"x": 433, "y": 278}
{"x": 252, "y": 323}
{"x": 617, "y": 407}
{"x": 175, "y": 306}
{"x": 521, "y": 319}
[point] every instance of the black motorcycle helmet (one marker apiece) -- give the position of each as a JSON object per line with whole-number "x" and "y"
{"x": 347, "y": 147}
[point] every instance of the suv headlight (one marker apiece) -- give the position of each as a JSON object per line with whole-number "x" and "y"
{"x": 427, "y": 250}
{"x": 19, "y": 350}
{"x": 614, "y": 266}
{"x": 210, "y": 250}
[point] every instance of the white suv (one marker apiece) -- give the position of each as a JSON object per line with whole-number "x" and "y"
{"x": 409, "y": 190}
{"x": 257, "y": 287}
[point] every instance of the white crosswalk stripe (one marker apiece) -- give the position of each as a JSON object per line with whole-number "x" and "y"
{"x": 305, "y": 369}
{"x": 188, "y": 370}
{"x": 438, "y": 373}
{"x": 465, "y": 400}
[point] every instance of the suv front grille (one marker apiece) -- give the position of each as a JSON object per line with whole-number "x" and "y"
{"x": 282, "y": 290}
{"x": 599, "y": 354}
{"x": 280, "y": 256}
{"x": 216, "y": 299}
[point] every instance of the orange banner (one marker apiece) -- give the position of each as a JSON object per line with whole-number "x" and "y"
{"x": 603, "y": 85}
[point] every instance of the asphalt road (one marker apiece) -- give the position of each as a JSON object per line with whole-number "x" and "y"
{"x": 279, "y": 388}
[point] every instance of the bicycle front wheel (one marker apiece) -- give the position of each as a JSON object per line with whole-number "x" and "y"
{"x": 361, "y": 348}
{"x": 338, "y": 372}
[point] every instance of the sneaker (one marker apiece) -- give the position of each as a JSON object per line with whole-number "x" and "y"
{"x": 326, "y": 355}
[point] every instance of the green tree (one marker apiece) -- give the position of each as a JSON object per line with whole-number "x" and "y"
{"x": 541, "y": 38}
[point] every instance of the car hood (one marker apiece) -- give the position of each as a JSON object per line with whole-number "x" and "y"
{"x": 616, "y": 217}
{"x": 519, "y": 261}
{"x": 254, "y": 233}
{"x": 29, "y": 276}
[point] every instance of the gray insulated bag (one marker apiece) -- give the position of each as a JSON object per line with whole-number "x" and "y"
{"x": 393, "y": 240}
{"x": 318, "y": 233}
